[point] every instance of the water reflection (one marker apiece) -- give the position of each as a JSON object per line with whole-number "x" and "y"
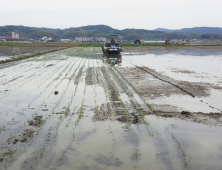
{"x": 113, "y": 59}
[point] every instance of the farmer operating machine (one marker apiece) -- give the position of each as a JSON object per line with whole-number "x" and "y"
{"x": 112, "y": 46}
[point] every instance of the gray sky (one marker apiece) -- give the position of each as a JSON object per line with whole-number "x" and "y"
{"x": 146, "y": 14}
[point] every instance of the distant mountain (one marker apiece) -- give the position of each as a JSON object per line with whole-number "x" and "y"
{"x": 84, "y": 31}
{"x": 197, "y": 30}
{"x": 100, "y": 28}
{"x": 163, "y": 29}
{"x": 103, "y": 30}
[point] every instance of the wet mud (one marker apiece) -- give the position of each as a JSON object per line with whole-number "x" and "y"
{"x": 37, "y": 121}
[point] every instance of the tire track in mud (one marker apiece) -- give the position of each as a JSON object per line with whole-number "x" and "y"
{"x": 175, "y": 85}
{"x": 121, "y": 89}
{"x": 138, "y": 105}
{"x": 112, "y": 95}
{"x": 104, "y": 111}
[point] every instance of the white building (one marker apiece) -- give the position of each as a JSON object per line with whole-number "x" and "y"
{"x": 89, "y": 39}
{"x": 83, "y": 39}
{"x": 44, "y": 38}
{"x": 65, "y": 40}
{"x": 13, "y": 34}
{"x": 100, "y": 39}
{"x": 17, "y": 35}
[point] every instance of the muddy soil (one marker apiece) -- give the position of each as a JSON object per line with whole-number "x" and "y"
{"x": 37, "y": 121}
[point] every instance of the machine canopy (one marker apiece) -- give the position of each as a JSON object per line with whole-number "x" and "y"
{"x": 113, "y": 35}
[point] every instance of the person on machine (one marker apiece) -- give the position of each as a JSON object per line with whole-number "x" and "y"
{"x": 112, "y": 42}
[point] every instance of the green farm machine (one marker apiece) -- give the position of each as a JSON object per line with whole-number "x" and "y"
{"x": 113, "y": 46}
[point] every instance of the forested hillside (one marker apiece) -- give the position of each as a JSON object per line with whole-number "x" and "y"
{"x": 196, "y": 30}
{"x": 103, "y": 30}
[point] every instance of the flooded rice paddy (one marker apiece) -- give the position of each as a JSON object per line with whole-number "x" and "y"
{"x": 74, "y": 109}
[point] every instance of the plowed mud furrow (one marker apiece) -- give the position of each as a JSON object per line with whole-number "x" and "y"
{"x": 135, "y": 99}
{"x": 78, "y": 75}
{"x": 115, "y": 104}
{"x": 89, "y": 79}
{"x": 121, "y": 90}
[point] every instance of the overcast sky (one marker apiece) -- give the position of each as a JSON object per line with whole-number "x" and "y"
{"x": 119, "y": 14}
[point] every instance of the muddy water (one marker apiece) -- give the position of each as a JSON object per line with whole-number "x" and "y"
{"x": 92, "y": 118}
